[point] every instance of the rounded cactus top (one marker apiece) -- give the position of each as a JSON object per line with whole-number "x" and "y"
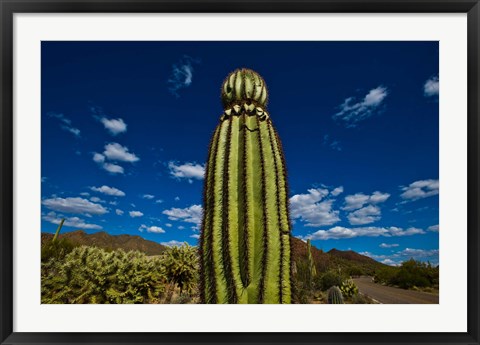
{"x": 244, "y": 85}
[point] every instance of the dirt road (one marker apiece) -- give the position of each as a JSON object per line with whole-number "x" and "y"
{"x": 391, "y": 295}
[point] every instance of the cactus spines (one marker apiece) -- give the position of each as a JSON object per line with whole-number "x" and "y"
{"x": 335, "y": 295}
{"x": 245, "y": 237}
{"x": 58, "y": 230}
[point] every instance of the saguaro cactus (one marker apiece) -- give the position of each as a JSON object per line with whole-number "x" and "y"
{"x": 245, "y": 238}
{"x": 311, "y": 262}
{"x": 58, "y": 230}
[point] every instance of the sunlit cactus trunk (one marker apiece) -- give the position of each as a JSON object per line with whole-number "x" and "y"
{"x": 245, "y": 238}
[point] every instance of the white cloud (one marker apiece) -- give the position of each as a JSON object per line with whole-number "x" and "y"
{"x": 85, "y": 194}
{"x": 395, "y": 259}
{"x": 152, "y": 229}
{"x": 118, "y": 212}
{"x": 398, "y": 232}
{"x": 312, "y": 210}
{"x": 110, "y": 167}
{"x": 339, "y": 232}
{"x": 98, "y": 158}
{"x": 74, "y": 205}
{"x": 420, "y": 189}
{"x": 96, "y": 199}
{"x": 61, "y": 117}
{"x": 418, "y": 253}
{"x": 337, "y": 191}
{"x": 365, "y": 215}
{"x": 114, "y": 126}
{"x": 181, "y": 227}
{"x": 148, "y": 196}
{"x": 177, "y": 198}
{"x": 108, "y": 190}
{"x": 159, "y": 201}
{"x": 353, "y": 111}
{"x": 113, "y": 168}
{"x": 197, "y": 236}
{"x": 364, "y": 207}
{"x": 356, "y": 201}
{"x": 189, "y": 171}
{"x": 73, "y": 222}
{"x": 168, "y": 225}
{"x": 66, "y": 123}
{"x": 182, "y": 74}
{"x": 73, "y": 130}
{"x": 387, "y": 245}
{"x": 433, "y": 228}
{"x": 191, "y": 214}
{"x": 135, "y": 214}
{"x": 173, "y": 243}
{"x": 431, "y": 87}
{"x": 389, "y": 262}
{"x": 117, "y": 152}
{"x": 331, "y": 143}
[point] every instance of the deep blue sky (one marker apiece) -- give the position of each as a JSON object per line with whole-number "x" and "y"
{"x": 358, "y": 121}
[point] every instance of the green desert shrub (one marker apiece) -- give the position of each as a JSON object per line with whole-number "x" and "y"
{"x": 385, "y": 275}
{"x": 415, "y": 273}
{"x": 56, "y": 249}
{"x": 92, "y": 275}
{"x": 328, "y": 279}
{"x": 410, "y": 274}
{"x": 181, "y": 266}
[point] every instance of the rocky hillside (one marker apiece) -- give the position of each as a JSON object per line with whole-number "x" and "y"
{"x": 107, "y": 241}
{"x": 349, "y": 261}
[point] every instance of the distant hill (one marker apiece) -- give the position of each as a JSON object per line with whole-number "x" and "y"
{"x": 107, "y": 241}
{"x": 349, "y": 261}
{"x": 350, "y": 255}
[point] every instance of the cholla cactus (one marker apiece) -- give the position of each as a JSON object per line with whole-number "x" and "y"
{"x": 245, "y": 238}
{"x": 349, "y": 288}
{"x": 335, "y": 295}
{"x": 181, "y": 266}
{"x": 93, "y": 275}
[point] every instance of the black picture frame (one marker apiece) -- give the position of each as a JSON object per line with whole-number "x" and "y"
{"x": 7, "y": 10}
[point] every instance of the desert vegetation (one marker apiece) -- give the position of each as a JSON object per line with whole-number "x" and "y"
{"x": 87, "y": 274}
{"x": 82, "y": 269}
{"x": 410, "y": 274}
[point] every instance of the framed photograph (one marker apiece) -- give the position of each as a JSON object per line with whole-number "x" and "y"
{"x": 239, "y": 172}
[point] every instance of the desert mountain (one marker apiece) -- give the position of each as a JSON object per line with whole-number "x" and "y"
{"x": 107, "y": 241}
{"x": 334, "y": 259}
{"x": 348, "y": 260}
